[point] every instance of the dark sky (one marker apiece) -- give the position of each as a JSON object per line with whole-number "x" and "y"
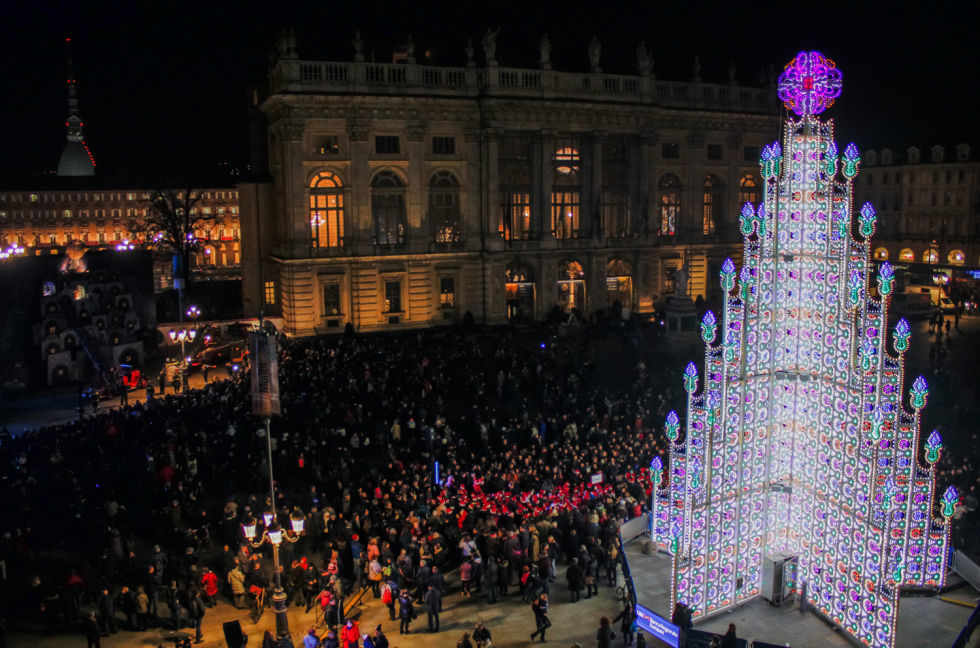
{"x": 162, "y": 84}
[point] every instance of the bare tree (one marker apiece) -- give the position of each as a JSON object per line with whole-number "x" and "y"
{"x": 174, "y": 225}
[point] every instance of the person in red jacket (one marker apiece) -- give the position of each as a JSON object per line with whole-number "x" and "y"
{"x": 350, "y": 635}
{"x": 209, "y": 583}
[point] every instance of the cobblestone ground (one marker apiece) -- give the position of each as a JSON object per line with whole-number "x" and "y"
{"x": 509, "y": 620}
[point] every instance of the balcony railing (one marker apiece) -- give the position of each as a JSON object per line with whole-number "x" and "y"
{"x": 292, "y": 75}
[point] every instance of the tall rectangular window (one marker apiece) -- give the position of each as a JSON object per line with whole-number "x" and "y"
{"x": 515, "y": 223}
{"x": 447, "y": 292}
{"x": 614, "y": 211}
{"x": 269, "y": 292}
{"x": 331, "y": 300}
{"x": 565, "y": 220}
{"x": 444, "y": 145}
{"x": 386, "y": 144}
{"x": 393, "y": 297}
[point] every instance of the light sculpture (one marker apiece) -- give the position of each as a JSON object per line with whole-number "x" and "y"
{"x": 797, "y": 441}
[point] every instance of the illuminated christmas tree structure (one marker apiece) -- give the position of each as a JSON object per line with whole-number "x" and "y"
{"x": 797, "y": 441}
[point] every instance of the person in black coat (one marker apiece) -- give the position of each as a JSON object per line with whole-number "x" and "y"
{"x": 729, "y": 640}
{"x": 380, "y": 640}
{"x": 92, "y": 631}
{"x": 107, "y": 614}
{"x": 541, "y": 620}
{"x": 433, "y": 602}
{"x": 576, "y": 579}
{"x": 627, "y": 620}
{"x": 405, "y": 612}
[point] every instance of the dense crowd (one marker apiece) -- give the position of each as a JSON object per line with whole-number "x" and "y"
{"x": 142, "y": 506}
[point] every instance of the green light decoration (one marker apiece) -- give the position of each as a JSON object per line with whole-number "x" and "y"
{"x": 746, "y": 219}
{"x": 656, "y": 471}
{"x": 950, "y": 497}
{"x": 672, "y": 425}
{"x": 745, "y": 284}
{"x": 854, "y": 288}
{"x": 695, "y": 469}
{"x": 886, "y": 278}
{"x": 934, "y": 447}
{"x": 709, "y": 327}
{"x": 866, "y": 220}
{"x": 902, "y": 333}
{"x": 760, "y": 222}
{"x": 851, "y": 161}
{"x": 727, "y": 275}
{"x": 830, "y": 160}
{"x": 690, "y": 378}
{"x": 867, "y": 352}
{"x": 919, "y": 393}
{"x": 877, "y": 424}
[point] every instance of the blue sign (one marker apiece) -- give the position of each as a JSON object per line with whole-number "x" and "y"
{"x": 658, "y": 626}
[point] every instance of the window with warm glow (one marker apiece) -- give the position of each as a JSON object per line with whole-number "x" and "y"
{"x": 326, "y": 210}
{"x": 670, "y": 204}
{"x": 709, "y": 205}
{"x": 749, "y": 190}
{"x": 388, "y": 209}
{"x": 444, "y": 212}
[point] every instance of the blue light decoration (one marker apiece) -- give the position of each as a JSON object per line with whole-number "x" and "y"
{"x": 709, "y": 327}
{"x": 902, "y": 333}
{"x": 435, "y": 474}
{"x": 798, "y": 439}
{"x": 934, "y": 446}
{"x": 866, "y": 220}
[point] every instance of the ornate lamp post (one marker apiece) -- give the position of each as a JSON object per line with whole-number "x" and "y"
{"x": 656, "y": 475}
{"x": 276, "y": 535}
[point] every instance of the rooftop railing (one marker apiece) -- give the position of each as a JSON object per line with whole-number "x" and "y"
{"x": 292, "y": 75}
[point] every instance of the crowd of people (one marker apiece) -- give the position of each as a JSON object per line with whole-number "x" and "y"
{"x": 140, "y": 508}
{"x": 408, "y": 456}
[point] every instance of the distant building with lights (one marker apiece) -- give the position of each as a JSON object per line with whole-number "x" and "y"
{"x": 929, "y": 202}
{"x": 49, "y": 213}
{"x": 406, "y": 194}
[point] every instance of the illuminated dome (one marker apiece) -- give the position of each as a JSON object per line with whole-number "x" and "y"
{"x": 76, "y": 160}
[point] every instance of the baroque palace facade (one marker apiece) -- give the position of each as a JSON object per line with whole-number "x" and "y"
{"x": 406, "y": 194}
{"x": 929, "y": 203}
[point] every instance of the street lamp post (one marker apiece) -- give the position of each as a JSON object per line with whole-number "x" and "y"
{"x": 275, "y": 535}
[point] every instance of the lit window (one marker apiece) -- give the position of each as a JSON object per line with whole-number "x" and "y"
{"x": 670, "y": 204}
{"x": 331, "y": 300}
{"x": 388, "y": 209}
{"x": 447, "y": 292}
{"x": 709, "y": 204}
{"x": 326, "y": 210}
{"x": 269, "y": 292}
{"x": 444, "y": 211}
{"x": 328, "y": 145}
{"x": 567, "y": 158}
{"x": 393, "y": 297}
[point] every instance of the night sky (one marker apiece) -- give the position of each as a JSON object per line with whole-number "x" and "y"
{"x": 162, "y": 84}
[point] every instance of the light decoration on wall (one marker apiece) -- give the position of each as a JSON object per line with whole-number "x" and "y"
{"x": 798, "y": 442}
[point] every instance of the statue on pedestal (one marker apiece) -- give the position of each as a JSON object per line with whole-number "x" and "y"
{"x": 697, "y": 69}
{"x": 490, "y": 46}
{"x": 469, "y": 51}
{"x": 595, "y": 51}
{"x": 358, "y": 46}
{"x": 644, "y": 63}
{"x": 544, "y": 48}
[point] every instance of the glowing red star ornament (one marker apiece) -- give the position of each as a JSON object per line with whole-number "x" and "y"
{"x": 809, "y": 84}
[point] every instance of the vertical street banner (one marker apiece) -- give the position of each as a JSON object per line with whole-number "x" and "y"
{"x": 265, "y": 375}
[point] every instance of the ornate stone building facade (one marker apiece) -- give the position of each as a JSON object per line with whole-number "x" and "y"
{"x": 47, "y": 215}
{"x": 406, "y": 194}
{"x": 928, "y": 202}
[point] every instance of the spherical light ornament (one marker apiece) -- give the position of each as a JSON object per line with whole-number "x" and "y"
{"x": 809, "y": 84}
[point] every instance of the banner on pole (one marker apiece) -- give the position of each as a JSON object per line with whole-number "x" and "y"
{"x": 265, "y": 375}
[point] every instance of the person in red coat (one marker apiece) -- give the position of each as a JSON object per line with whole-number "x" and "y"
{"x": 209, "y": 583}
{"x": 350, "y": 635}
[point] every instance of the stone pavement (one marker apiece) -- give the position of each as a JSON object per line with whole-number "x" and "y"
{"x": 922, "y": 621}
{"x": 510, "y": 621}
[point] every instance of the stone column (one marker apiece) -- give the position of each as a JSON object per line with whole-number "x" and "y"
{"x": 296, "y": 234}
{"x": 645, "y": 221}
{"x": 358, "y": 208}
{"x": 692, "y": 217}
{"x": 419, "y": 233}
{"x": 544, "y": 149}
{"x": 592, "y": 195}
{"x": 490, "y": 210}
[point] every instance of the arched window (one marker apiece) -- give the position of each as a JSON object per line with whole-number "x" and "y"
{"x": 709, "y": 204}
{"x": 881, "y": 254}
{"x": 444, "y": 215}
{"x": 930, "y": 256}
{"x": 749, "y": 190}
{"x": 670, "y": 203}
{"x": 566, "y": 190}
{"x": 519, "y": 292}
{"x": 571, "y": 286}
{"x": 388, "y": 209}
{"x": 619, "y": 283}
{"x": 326, "y": 210}
{"x": 906, "y": 255}
{"x": 957, "y": 257}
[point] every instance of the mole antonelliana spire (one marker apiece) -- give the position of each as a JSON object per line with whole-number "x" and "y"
{"x": 799, "y": 455}
{"x": 76, "y": 159}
